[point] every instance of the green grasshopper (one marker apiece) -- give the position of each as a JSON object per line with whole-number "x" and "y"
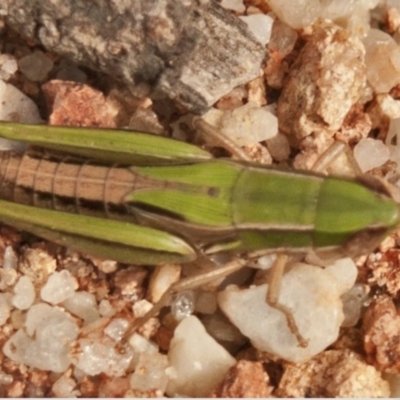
{"x": 146, "y": 199}
{"x": 141, "y": 198}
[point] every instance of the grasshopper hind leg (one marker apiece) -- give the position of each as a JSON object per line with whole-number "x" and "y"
{"x": 187, "y": 284}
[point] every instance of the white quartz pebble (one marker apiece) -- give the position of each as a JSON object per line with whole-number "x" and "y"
{"x": 45, "y": 343}
{"x": 162, "y": 278}
{"x": 141, "y": 345}
{"x": 300, "y": 13}
{"x": 83, "y": 305}
{"x": 249, "y": 124}
{"x": 16, "y": 106}
{"x": 64, "y": 386}
{"x": 382, "y": 59}
{"x": 116, "y": 328}
{"x": 58, "y": 288}
{"x": 10, "y": 258}
{"x": 150, "y": 373}
{"x": 8, "y": 66}
{"x": 106, "y": 309}
{"x": 24, "y": 293}
{"x": 197, "y": 361}
{"x": 313, "y": 295}
{"x": 371, "y": 153}
{"x": 234, "y": 5}
{"x": 95, "y": 357}
{"x": 260, "y": 26}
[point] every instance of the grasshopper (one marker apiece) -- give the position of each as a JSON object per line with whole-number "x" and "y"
{"x": 140, "y": 198}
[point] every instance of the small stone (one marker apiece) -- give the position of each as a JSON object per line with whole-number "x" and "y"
{"x": 249, "y": 124}
{"x": 333, "y": 374}
{"x": 161, "y": 279}
{"x": 8, "y": 66}
{"x": 37, "y": 265}
{"x": 59, "y": 287}
{"x": 113, "y": 387}
{"x": 70, "y": 72}
{"x": 266, "y": 262}
{"x": 283, "y": 38}
{"x": 141, "y": 345}
{"x": 260, "y": 26}
{"x": 15, "y": 106}
{"x": 24, "y": 293}
{"x": 256, "y": 92}
{"x": 313, "y": 296}
{"x": 381, "y": 326}
{"x": 371, "y": 153}
{"x": 77, "y": 104}
{"x": 89, "y": 386}
{"x": 5, "y": 379}
{"x": 106, "y": 309}
{"x": 183, "y": 305}
{"x": 83, "y": 305}
{"x": 10, "y": 258}
{"x": 326, "y": 80}
{"x": 116, "y": 328}
{"x": 246, "y": 379}
{"x": 394, "y": 382}
{"x": 5, "y": 308}
{"x": 35, "y": 66}
{"x": 354, "y": 15}
{"x": 197, "y": 361}
{"x": 18, "y": 318}
{"x": 46, "y": 342}
{"x": 313, "y": 146}
{"x": 65, "y": 386}
{"x": 141, "y": 307}
{"x": 234, "y": 5}
{"x": 106, "y": 266}
{"x": 16, "y": 389}
{"x": 393, "y": 131}
{"x": 300, "y": 13}
{"x": 356, "y": 125}
{"x": 353, "y": 303}
{"x": 234, "y": 99}
{"x": 279, "y": 147}
{"x": 150, "y": 373}
{"x": 96, "y": 357}
{"x": 8, "y": 277}
{"x": 222, "y": 330}
{"x": 383, "y": 61}
{"x": 145, "y": 120}
{"x": 206, "y": 302}
{"x": 129, "y": 282}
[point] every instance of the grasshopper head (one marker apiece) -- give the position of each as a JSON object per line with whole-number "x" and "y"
{"x": 354, "y": 215}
